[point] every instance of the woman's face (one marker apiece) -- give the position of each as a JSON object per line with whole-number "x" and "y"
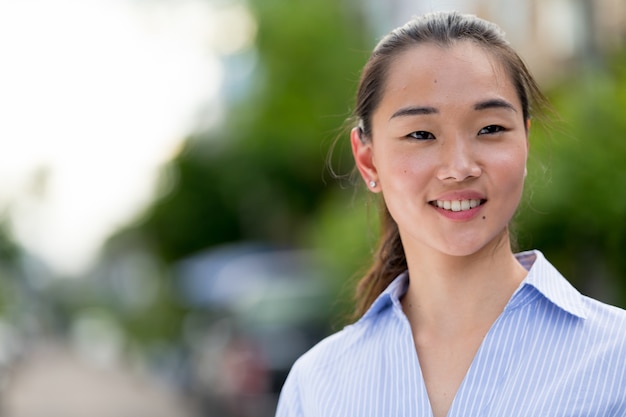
{"x": 448, "y": 148}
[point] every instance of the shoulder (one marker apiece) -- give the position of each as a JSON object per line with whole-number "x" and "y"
{"x": 352, "y": 346}
{"x": 342, "y": 364}
{"x": 584, "y": 325}
{"x": 562, "y": 296}
{"x": 605, "y": 318}
{"x": 327, "y": 370}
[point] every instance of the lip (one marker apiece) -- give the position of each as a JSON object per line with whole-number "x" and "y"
{"x": 464, "y": 215}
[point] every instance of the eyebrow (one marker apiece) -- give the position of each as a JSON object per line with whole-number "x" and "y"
{"x": 495, "y": 103}
{"x": 414, "y": 111}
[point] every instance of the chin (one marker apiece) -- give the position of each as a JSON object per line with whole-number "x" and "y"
{"x": 462, "y": 252}
{"x": 473, "y": 245}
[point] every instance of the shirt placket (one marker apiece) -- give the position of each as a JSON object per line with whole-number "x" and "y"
{"x": 499, "y": 353}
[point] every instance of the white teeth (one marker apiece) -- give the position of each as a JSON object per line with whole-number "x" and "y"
{"x": 457, "y": 205}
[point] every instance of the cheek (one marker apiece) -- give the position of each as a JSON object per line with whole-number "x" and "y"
{"x": 402, "y": 166}
{"x": 509, "y": 159}
{"x": 511, "y": 167}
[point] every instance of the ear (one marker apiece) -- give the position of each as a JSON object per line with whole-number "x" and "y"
{"x": 363, "y": 157}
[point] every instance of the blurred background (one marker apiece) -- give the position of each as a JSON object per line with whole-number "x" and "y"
{"x": 171, "y": 238}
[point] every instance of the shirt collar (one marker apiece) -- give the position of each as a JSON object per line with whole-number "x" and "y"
{"x": 391, "y": 296}
{"x": 549, "y": 282}
{"x": 541, "y": 275}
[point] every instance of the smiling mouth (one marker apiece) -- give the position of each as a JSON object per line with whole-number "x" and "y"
{"x": 457, "y": 205}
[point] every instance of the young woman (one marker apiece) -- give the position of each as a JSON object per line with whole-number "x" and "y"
{"x": 453, "y": 322}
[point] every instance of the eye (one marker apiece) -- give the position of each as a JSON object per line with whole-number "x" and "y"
{"x": 491, "y": 129}
{"x": 421, "y": 135}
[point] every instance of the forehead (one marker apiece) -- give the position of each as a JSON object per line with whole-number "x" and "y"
{"x": 460, "y": 74}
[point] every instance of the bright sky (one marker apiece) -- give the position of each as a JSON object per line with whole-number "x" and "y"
{"x": 95, "y": 95}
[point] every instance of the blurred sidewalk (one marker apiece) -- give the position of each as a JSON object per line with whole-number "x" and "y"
{"x": 52, "y": 381}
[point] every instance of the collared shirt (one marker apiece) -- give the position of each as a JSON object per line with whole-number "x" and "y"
{"x": 552, "y": 352}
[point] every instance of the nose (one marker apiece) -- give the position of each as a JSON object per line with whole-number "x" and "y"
{"x": 457, "y": 160}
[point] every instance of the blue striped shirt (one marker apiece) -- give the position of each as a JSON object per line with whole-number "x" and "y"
{"x": 552, "y": 352}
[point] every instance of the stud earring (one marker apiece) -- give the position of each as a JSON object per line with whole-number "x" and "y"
{"x": 372, "y": 184}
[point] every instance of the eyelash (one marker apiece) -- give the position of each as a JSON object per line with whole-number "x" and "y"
{"x": 491, "y": 131}
{"x": 425, "y": 135}
{"x": 413, "y": 135}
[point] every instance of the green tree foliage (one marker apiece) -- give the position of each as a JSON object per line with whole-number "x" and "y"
{"x": 576, "y": 211}
{"x": 261, "y": 175}
{"x": 9, "y": 260}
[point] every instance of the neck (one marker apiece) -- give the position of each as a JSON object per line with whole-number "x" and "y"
{"x": 452, "y": 294}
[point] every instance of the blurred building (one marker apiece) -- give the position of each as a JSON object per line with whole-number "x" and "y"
{"x": 553, "y": 36}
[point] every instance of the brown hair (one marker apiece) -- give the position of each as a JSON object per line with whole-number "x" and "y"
{"x": 443, "y": 29}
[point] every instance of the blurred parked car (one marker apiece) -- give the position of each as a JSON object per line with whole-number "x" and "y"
{"x": 255, "y": 310}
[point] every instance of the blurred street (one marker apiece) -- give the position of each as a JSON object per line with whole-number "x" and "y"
{"x": 178, "y": 218}
{"x": 54, "y": 381}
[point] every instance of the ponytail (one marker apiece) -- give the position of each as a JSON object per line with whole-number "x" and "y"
{"x": 389, "y": 262}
